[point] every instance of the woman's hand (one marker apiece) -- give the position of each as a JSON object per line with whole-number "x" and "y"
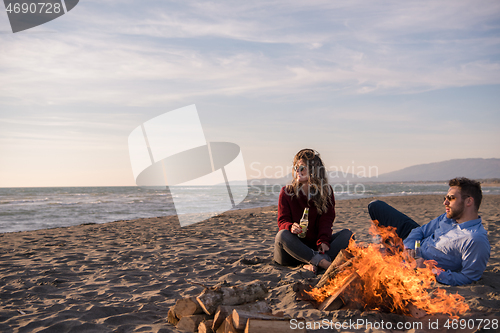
{"x": 296, "y": 229}
{"x": 323, "y": 248}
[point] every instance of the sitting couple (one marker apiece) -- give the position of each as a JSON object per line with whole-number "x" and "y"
{"x": 456, "y": 240}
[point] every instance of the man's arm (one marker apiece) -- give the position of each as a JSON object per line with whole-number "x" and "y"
{"x": 422, "y": 232}
{"x": 475, "y": 256}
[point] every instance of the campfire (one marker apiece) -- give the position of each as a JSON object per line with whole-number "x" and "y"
{"x": 384, "y": 278}
{"x": 369, "y": 277}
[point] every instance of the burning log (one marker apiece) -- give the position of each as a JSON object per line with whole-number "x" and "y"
{"x": 211, "y": 298}
{"x": 351, "y": 278}
{"x": 331, "y": 272}
{"x": 333, "y": 297}
{"x": 342, "y": 260}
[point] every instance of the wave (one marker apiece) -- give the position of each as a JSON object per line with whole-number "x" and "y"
{"x": 39, "y": 208}
{"x": 22, "y": 201}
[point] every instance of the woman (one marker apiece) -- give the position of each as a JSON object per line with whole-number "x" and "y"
{"x": 310, "y": 189}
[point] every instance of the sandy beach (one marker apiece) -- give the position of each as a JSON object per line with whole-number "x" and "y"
{"x": 124, "y": 276}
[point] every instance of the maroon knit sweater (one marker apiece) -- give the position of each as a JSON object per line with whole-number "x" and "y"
{"x": 290, "y": 210}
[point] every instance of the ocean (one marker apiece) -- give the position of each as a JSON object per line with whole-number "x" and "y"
{"x": 23, "y": 209}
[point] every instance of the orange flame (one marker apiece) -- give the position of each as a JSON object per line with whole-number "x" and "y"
{"x": 390, "y": 281}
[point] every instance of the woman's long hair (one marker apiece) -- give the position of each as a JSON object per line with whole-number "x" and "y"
{"x": 319, "y": 190}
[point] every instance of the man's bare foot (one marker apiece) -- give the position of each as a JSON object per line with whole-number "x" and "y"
{"x": 311, "y": 268}
{"x": 324, "y": 263}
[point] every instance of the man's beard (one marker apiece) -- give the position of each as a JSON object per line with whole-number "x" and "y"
{"x": 455, "y": 213}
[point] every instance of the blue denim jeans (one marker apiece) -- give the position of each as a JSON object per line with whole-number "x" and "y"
{"x": 391, "y": 217}
{"x": 290, "y": 251}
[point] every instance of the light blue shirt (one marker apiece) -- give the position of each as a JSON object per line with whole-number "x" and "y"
{"x": 461, "y": 249}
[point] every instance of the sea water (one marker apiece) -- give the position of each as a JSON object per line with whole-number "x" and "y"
{"x": 24, "y": 209}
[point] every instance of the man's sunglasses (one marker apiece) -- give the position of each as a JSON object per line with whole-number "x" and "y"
{"x": 450, "y": 198}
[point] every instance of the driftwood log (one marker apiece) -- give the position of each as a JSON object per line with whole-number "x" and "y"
{"x": 241, "y": 317}
{"x": 205, "y": 326}
{"x": 225, "y": 310}
{"x": 274, "y": 326}
{"x": 211, "y": 298}
{"x": 227, "y": 326}
{"x": 187, "y": 307}
{"x": 191, "y": 323}
{"x": 171, "y": 318}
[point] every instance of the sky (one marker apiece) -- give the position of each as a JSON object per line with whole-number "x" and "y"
{"x": 368, "y": 84}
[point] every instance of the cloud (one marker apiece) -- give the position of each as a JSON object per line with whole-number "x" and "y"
{"x": 135, "y": 54}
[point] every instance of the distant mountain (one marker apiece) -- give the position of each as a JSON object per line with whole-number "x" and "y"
{"x": 473, "y": 168}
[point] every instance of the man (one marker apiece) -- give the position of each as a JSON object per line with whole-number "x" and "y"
{"x": 456, "y": 240}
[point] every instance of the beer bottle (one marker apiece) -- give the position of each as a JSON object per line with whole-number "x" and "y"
{"x": 304, "y": 222}
{"x": 417, "y": 249}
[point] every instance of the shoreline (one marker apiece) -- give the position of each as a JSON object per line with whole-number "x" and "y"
{"x": 232, "y": 210}
{"x": 125, "y": 275}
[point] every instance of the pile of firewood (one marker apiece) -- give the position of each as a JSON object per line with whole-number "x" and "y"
{"x": 224, "y": 309}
